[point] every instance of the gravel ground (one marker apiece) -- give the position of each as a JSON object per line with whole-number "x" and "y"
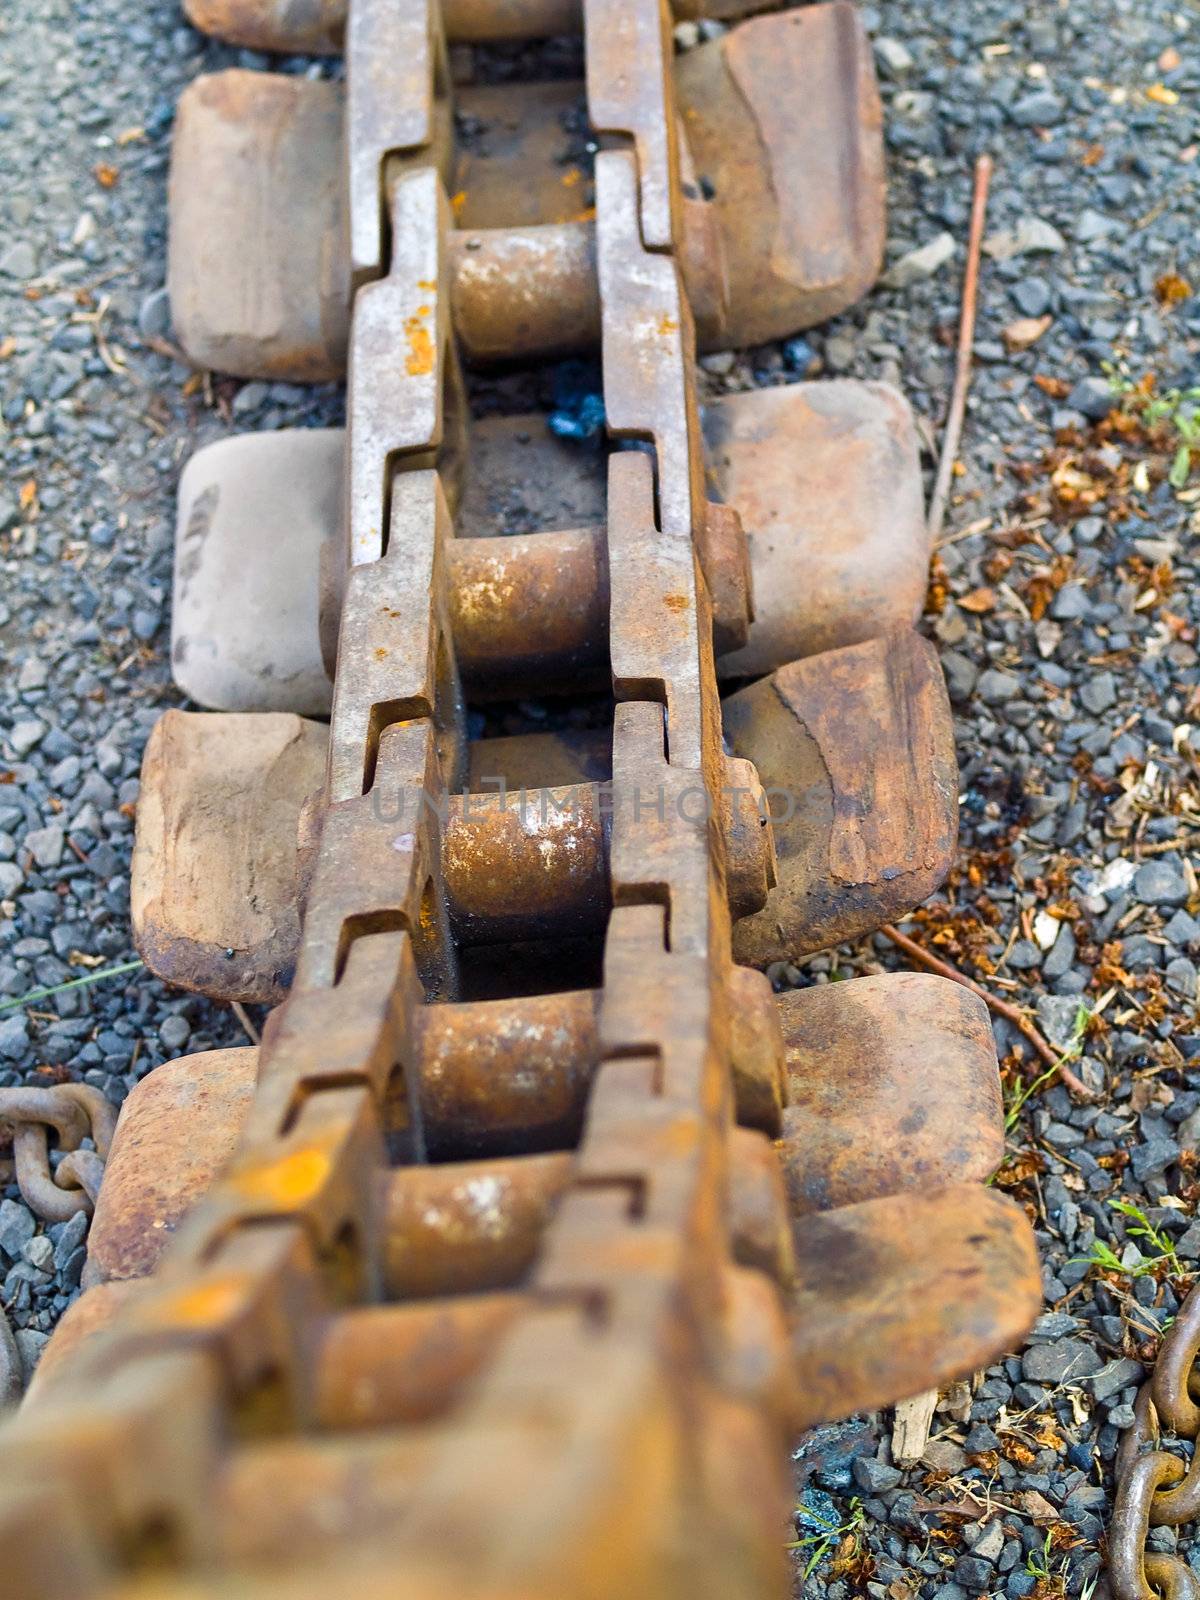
{"x": 1064, "y": 603}
{"x": 1062, "y": 600}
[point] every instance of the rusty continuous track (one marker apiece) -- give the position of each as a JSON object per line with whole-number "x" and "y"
{"x": 536, "y": 1225}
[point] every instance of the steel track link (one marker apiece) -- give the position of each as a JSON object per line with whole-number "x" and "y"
{"x": 509, "y": 1262}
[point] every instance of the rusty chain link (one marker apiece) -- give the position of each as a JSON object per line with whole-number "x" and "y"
{"x": 29, "y": 1115}
{"x": 1155, "y": 1488}
{"x": 73, "y": 1112}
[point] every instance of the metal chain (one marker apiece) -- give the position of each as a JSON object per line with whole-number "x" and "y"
{"x": 73, "y": 1112}
{"x": 641, "y": 1367}
{"x": 1155, "y": 1488}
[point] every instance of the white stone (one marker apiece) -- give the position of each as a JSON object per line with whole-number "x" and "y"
{"x": 921, "y": 263}
{"x": 893, "y": 57}
{"x": 1117, "y": 876}
{"x": 1031, "y": 236}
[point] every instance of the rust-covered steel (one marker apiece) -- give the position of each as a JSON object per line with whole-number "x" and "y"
{"x": 240, "y": 784}
{"x": 819, "y": 541}
{"x": 317, "y": 27}
{"x": 860, "y": 1122}
{"x": 512, "y": 1257}
{"x": 855, "y": 751}
{"x": 780, "y": 217}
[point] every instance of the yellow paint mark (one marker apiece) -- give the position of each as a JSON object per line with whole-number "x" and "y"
{"x": 571, "y": 177}
{"x": 422, "y": 311}
{"x": 381, "y": 653}
{"x": 208, "y": 1305}
{"x": 427, "y": 285}
{"x": 458, "y": 201}
{"x": 667, "y": 325}
{"x": 287, "y": 1182}
{"x": 420, "y": 348}
{"x": 588, "y": 214}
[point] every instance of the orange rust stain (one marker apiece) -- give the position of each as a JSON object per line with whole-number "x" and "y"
{"x": 588, "y": 214}
{"x": 427, "y": 285}
{"x": 667, "y": 324}
{"x": 420, "y": 348}
{"x": 675, "y": 602}
{"x": 289, "y": 1181}
{"x": 571, "y": 177}
{"x": 380, "y": 653}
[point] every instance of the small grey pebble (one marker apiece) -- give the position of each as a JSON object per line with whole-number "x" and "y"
{"x": 1181, "y": 977}
{"x": 38, "y": 1251}
{"x": 1182, "y": 930}
{"x": 45, "y": 845}
{"x": 840, "y": 353}
{"x": 873, "y": 1476}
{"x": 1052, "y": 1325}
{"x": 1099, "y": 693}
{"x": 174, "y": 1033}
{"x": 893, "y": 57}
{"x": 1070, "y": 603}
{"x": 19, "y": 260}
{"x": 1065, "y": 1358}
{"x": 1031, "y": 296}
{"x": 26, "y": 735}
{"x": 1115, "y": 1376}
{"x": 1152, "y": 1157}
{"x": 17, "y": 1227}
{"x": 72, "y": 1235}
{"x": 1158, "y": 883}
{"x": 1094, "y": 397}
{"x": 1024, "y": 956}
{"x": 30, "y": 1342}
{"x": 248, "y": 398}
{"x": 14, "y": 1040}
{"x": 154, "y": 314}
{"x": 1056, "y": 1016}
{"x": 995, "y": 686}
{"x": 974, "y": 1573}
{"x": 961, "y": 675}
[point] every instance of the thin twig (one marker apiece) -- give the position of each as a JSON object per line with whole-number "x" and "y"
{"x": 1158, "y": 847}
{"x": 962, "y": 367}
{"x": 164, "y": 347}
{"x": 1051, "y": 1056}
{"x": 243, "y": 1017}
